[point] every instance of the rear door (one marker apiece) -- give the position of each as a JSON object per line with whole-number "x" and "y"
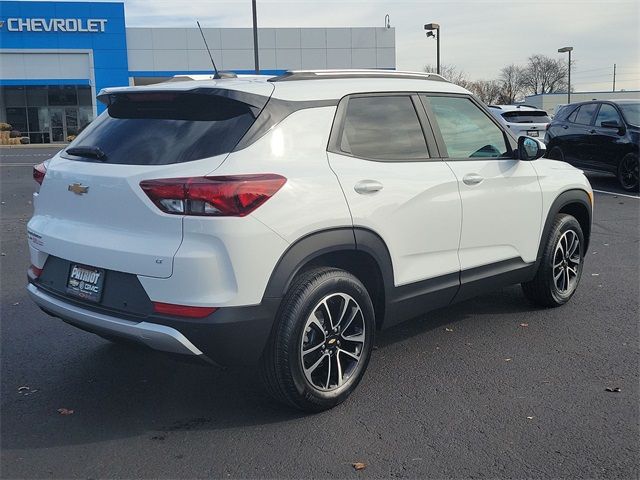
{"x": 90, "y": 208}
{"x": 577, "y": 138}
{"x": 501, "y": 196}
{"x": 397, "y": 187}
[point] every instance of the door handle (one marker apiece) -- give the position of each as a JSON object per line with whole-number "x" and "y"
{"x": 364, "y": 187}
{"x": 472, "y": 179}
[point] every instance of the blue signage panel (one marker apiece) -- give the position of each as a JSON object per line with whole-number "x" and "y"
{"x": 99, "y": 27}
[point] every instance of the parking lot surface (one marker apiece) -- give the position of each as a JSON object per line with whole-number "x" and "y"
{"x": 492, "y": 387}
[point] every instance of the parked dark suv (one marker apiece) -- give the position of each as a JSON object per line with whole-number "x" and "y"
{"x": 598, "y": 135}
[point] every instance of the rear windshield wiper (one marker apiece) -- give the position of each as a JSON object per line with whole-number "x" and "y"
{"x": 91, "y": 152}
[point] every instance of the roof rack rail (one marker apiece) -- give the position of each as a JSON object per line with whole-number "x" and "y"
{"x": 354, "y": 73}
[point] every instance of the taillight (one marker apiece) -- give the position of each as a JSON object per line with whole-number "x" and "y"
{"x": 229, "y": 196}
{"x": 34, "y": 271}
{"x": 39, "y": 171}
{"x": 182, "y": 310}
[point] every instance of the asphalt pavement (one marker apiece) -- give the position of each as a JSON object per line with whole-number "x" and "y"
{"x": 492, "y": 387}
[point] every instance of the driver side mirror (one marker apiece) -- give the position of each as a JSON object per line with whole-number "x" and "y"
{"x": 613, "y": 124}
{"x": 530, "y": 148}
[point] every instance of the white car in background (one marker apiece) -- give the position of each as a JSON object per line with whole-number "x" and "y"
{"x": 522, "y": 119}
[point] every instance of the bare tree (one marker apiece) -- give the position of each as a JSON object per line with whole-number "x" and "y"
{"x": 451, "y": 73}
{"x": 545, "y": 75}
{"x": 512, "y": 80}
{"x": 487, "y": 91}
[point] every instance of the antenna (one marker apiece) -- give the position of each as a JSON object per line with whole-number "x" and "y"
{"x": 215, "y": 69}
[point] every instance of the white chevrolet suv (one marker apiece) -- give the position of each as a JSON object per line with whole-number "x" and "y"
{"x": 283, "y": 221}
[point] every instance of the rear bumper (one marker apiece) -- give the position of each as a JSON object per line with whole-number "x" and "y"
{"x": 231, "y": 336}
{"x": 158, "y": 337}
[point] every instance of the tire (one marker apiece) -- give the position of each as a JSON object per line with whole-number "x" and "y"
{"x": 558, "y": 274}
{"x": 628, "y": 172}
{"x": 556, "y": 154}
{"x": 309, "y": 379}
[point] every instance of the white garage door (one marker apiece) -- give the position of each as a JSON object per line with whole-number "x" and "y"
{"x": 35, "y": 66}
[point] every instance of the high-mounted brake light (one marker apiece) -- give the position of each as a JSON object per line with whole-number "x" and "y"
{"x": 39, "y": 171}
{"x": 228, "y": 196}
{"x": 182, "y": 310}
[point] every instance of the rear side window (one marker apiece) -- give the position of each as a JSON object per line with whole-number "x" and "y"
{"x": 466, "y": 130}
{"x": 163, "y": 128}
{"x": 383, "y": 128}
{"x": 585, "y": 113}
{"x": 526, "y": 117}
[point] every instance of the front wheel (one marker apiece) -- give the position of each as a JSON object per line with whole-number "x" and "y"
{"x": 628, "y": 172}
{"x": 321, "y": 343}
{"x": 560, "y": 268}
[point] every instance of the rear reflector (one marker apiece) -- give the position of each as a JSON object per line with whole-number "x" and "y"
{"x": 229, "y": 196}
{"x": 182, "y": 310}
{"x": 34, "y": 271}
{"x": 39, "y": 171}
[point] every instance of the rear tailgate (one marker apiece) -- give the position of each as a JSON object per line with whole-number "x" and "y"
{"x": 91, "y": 209}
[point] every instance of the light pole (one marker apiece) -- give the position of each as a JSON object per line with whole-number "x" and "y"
{"x": 565, "y": 50}
{"x": 255, "y": 36}
{"x": 430, "y": 27}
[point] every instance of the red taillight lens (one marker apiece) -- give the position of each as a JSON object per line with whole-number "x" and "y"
{"x": 230, "y": 196}
{"x": 34, "y": 271}
{"x": 182, "y": 310}
{"x": 39, "y": 171}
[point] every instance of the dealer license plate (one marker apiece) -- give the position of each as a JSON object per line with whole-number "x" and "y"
{"x": 85, "y": 282}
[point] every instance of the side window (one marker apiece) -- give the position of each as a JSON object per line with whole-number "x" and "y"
{"x": 572, "y": 118}
{"x": 607, "y": 113}
{"x": 466, "y": 130}
{"x": 585, "y": 113}
{"x": 383, "y": 128}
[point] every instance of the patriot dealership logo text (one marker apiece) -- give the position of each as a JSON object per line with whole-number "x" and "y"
{"x": 92, "y": 25}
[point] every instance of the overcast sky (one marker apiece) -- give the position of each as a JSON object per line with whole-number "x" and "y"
{"x": 478, "y": 36}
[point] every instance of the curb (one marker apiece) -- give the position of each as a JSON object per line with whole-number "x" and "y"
{"x": 37, "y": 145}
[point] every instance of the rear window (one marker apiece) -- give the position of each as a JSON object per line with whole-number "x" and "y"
{"x": 163, "y": 128}
{"x": 526, "y": 117}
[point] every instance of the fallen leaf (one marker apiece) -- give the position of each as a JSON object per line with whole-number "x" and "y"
{"x": 359, "y": 466}
{"x": 65, "y": 411}
{"x": 16, "y": 304}
{"x": 613, "y": 389}
{"x": 606, "y": 244}
{"x": 524, "y": 324}
{"x": 507, "y": 359}
{"x": 595, "y": 274}
{"x": 529, "y": 418}
{"x": 447, "y": 329}
{"x": 24, "y": 388}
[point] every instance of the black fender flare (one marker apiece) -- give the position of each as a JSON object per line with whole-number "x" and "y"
{"x": 319, "y": 243}
{"x": 565, "y": 198}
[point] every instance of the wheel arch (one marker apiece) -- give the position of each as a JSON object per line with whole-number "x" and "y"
{"x": 574, "y": 202}
{"x": 356, "y": 250}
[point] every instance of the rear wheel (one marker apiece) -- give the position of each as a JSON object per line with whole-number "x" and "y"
{"x": 628, "y": 172}
{"x": 556, "y": 154}
{"x": 321, "y": 344}
{"x": 560, "y": 268}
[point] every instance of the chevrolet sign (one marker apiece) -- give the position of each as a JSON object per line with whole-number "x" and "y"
{"x": 92, "y": 25}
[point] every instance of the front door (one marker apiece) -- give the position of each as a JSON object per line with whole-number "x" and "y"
{"x": 395, "y": 187}
{"x": 64, "y": 122}
{"x": 501, "y": 196}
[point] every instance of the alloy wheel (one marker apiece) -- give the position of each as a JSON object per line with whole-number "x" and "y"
{"x": 566, "y": 262}
{"x": 333, "y": 342}
{"x": 629, "y": 172}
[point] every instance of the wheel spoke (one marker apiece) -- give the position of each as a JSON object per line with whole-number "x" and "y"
{"x": 339, "y": 366}
{"x": 307, "y": 351}
{"x": 314, "y": 321}
{"x": 345, "y": 306}
{"x": 328, "y": 374}
{"x": 326, "y": 307}
{"x": 313, "y": 367}
{"x": 358, "y": 338}
{"x": 351, "y": 318}
{"x": 349, "y": 354}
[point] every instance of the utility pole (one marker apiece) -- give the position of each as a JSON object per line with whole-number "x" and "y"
{"x": 255, "y": 37}
{"x": 569, "y": 50}
{"x": 431, "y": 27}
{"x": 614, "y": 77}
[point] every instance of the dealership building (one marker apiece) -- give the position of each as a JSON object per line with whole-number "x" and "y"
{"x": 56, "y": 56}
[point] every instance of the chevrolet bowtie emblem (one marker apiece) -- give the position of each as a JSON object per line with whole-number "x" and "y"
{"x": 78, "y": 188}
